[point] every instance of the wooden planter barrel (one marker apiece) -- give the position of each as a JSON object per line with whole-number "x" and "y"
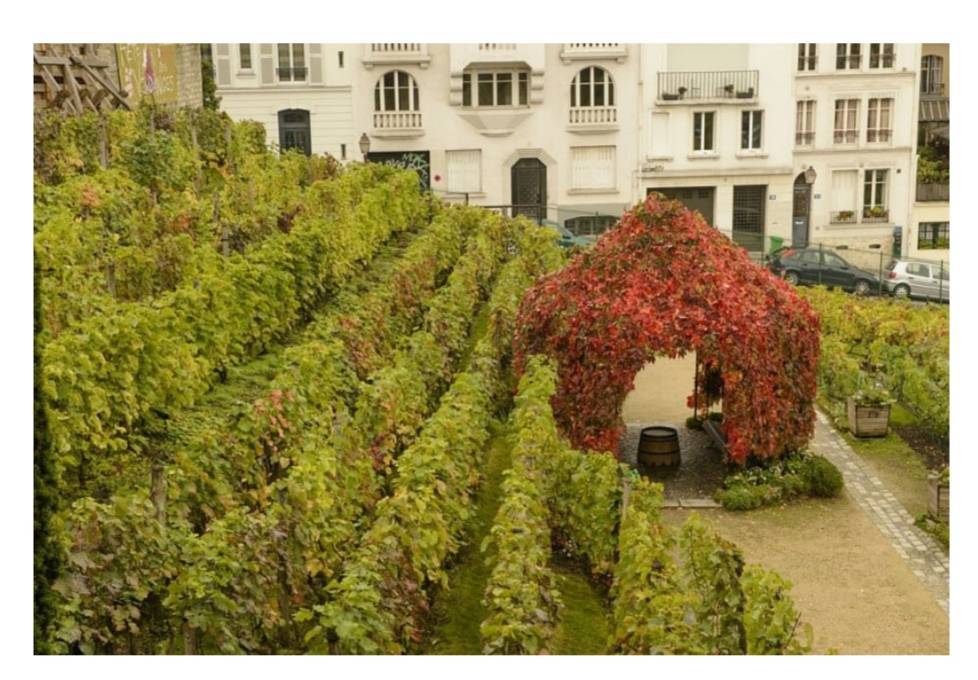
{"x": 868, "y": 420}
{"x": 658, "y": 445}
{"x": 939, "y": 499}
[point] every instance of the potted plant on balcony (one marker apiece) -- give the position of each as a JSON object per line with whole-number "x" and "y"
{"x": 746, "y": 94}
{"x": 869, "y": 411}
{"x": 682, "y": 92}
{"x": 876, "y": 212}
{"x": 728, "y": 90}
{"x": 670, "y": 96}
{"x": 844, "y": 216}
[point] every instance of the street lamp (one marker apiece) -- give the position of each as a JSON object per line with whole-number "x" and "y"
{"x": 810, "y": 174}
{"x": 364, "y": 146}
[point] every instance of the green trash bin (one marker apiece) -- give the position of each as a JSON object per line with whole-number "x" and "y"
{"x": 776, "y": 242}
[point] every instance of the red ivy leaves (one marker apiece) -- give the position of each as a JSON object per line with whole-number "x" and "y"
{"x": 664, "y": 283}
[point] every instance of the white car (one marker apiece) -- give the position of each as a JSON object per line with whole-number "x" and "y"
{"x": 916, "y": 279}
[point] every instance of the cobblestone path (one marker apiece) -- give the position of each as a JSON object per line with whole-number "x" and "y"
{"x": 925, "y": 557}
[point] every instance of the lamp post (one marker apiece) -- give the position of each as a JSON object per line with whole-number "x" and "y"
{"x": 364, "y": 146}
{"x": 810, "y": 174}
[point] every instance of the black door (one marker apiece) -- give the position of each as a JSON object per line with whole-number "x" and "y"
{"x": 293, "y": 130}
{"x": 801, "y": 212}
{"x": 529, "y": 180}
{"x": 694, "y": 198}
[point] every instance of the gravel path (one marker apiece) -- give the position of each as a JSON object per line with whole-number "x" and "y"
{"x": 700, "y": 471}
{"x": 919, "y": 550}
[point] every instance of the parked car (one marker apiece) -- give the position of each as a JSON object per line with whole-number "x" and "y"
{"x": 913, "y": 279}
{"x": 567, "y": 238}
{"x": 814, "y": 266}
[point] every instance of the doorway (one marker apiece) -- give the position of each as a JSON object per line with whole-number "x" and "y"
{"x": 801, "y": 211}
{"x": 529, "y": 188}
{"x": 293, "y": 130}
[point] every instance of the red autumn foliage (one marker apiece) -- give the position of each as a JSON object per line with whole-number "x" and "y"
{"x": 663, "y": 283}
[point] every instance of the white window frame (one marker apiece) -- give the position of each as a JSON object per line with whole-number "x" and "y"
{"x": 470, "y": 80}
{"x": 750, "y": 114}
{"x": 878, "y": 195}
{"x": 242, "y": 69}
{"x": 448, "y": 168}
{"x": 713, "y": 148}
{"x": 609, "y": 89}
{"x": 848, "y": 55}
{"x": 881, "y": 56}
{"x": 850, "y": 112}
{"x": 305, "y": 63}
{"x": 875, "y": 132}
{"x": 805, "y": 112}
{"x": 807, "y": 57}
{"x": 414, "y": 95}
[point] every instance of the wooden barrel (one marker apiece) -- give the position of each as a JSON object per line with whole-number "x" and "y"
{"x": 658, "y": 445}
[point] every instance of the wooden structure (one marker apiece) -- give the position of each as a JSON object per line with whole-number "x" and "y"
{"x": 868, "y": 420}
{"x": 75, "y": 78}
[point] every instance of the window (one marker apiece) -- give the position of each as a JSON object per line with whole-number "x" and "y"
{"x": 918, "y": 269}
{"x": 810, "y": 257}
{"x": 293, "y": 130}
{"x": 396, "y": 91}
{"x": 880, "y": 55}
{"x": 590, "y": 225}
{"x": 844, "y": 187}
{"x": 874, "y": 194}
{"x": 593, "y": 167}
{"x": 464, "y": 170}
{"x": 703, "y": 131}
{"x": 339, "y": 58}
{"x": 932, "y": 74}
{"x": 750, "y": 130}
{"x": 291, "y": 62}
{"x": 833, "y": 260}
{"x": 933, "y": 236}
{"x": 847, "y": 56}
{"x": 495, "y": 88}
{"x": 878, "y": 125}
{"x": 592, "y": 87}
{"x": 807, "y": 56}
{"x": 805, "y": 123}
{"x": 342, "y": 152}
{"x": 846, "y": 121}
{"x": 244, "y": 56}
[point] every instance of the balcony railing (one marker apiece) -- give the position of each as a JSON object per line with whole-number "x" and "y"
{"x": 936, "y": 191}
{"x": 875, "y": 214}
{"x": 572, "y": 51}
{"x": 593, "y": 115}
{"x": 846, "y": 136}
{"x": 707, "y": 85}
{"x": 397, "y": 120}
{"x": 932, "y": 90}
{"x": 843, "y": 217}
{"x": 804, "y": 138}
{"x": 878, "y": 136}
{"x": 396, "y": 53}
{"x": 497, "y": 47}
{"x": 290, "y": 73}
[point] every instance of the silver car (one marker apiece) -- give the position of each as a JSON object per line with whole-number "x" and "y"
{"x": 915, "y": 279}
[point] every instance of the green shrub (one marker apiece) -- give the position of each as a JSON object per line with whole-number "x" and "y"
{"x": 822, "y": 477}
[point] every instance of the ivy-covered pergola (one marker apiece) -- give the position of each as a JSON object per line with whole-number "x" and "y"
{"x": 664, "y": 283}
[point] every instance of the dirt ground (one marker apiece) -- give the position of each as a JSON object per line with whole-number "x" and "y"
{"x": 849, "y": 583}
{"x": 660, "y": 392}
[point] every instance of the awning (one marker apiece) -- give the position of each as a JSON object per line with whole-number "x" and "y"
{"x": 935, "y": 110}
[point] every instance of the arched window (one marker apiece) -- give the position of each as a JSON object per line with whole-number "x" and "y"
{"x": 593, "y": 86}
{"x": 931, "y": 74}
{"x": 293, "y": 130}
{"x": 396, "y": 91}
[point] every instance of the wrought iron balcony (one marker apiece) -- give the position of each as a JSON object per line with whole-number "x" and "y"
{"x": 875, "y": 214}
{"x": 292, "y": 73}
{"x": 843, "y": 217}
{"x": 711, "y": 86}
{"x": 395, "y": 53}
{"x": 593, "y": 51}
{"x": 933, "y": 191}
{"x": 804, "y": 138}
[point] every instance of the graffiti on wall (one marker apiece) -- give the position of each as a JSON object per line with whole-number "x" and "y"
{"x": 149, "y": 70}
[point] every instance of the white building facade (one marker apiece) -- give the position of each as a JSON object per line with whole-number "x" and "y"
{"x": 506, "y": 124}
{"x": 772, "y": 143}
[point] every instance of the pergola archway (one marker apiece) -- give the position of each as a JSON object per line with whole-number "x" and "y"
{"x": 663, "y": 282}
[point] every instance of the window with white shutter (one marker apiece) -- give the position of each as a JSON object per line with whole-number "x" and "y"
{"x": 844, "y": 183}
{"x": 464, "y": 171}
{"x": 593, "y": 167}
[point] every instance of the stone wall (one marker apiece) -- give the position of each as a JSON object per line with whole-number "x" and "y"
{"x": 188, "y": 75}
